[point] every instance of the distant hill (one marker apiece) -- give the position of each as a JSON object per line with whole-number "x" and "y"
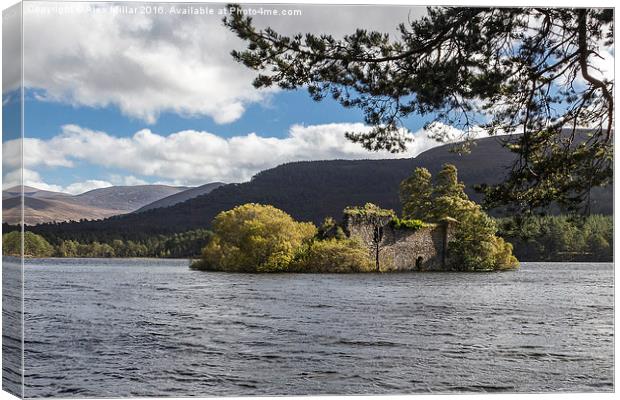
{"x": 312, "y": 190}
{"x": 41, "y": 210}
{"x": 42, "y": 206}
{"x": 29, "y": 191}
{"x": 127, "y": 198}
{"x": 181, "y": 196}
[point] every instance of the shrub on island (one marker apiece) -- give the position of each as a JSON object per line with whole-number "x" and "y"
{"x": 254, "y": 238}
{"x": 262, "y": 238}
{"x": 333, "y": 255}
{"x": 477, "y": 248}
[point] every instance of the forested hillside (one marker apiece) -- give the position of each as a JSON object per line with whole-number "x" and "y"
{"x": 308, "y": 191}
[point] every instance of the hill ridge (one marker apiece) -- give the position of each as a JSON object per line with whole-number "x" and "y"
{"x": 313, "y": 190}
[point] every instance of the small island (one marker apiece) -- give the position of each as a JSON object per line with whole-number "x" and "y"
{"x": 441, "y": 229}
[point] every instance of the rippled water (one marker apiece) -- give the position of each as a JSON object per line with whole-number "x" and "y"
{"x": 155, "y": 328}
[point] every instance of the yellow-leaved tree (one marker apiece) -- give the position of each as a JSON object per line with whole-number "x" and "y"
{"x": 254, "y": 238}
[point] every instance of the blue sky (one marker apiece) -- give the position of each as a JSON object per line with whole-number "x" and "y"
{"x": 45, "y": 119}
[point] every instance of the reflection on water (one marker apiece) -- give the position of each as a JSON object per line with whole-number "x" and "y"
{"x": 156, "y": 328}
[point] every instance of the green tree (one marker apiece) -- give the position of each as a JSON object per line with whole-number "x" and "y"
{"x": 598, "y": 231}
{"x": 599, "y": 246}
{"x": 68, "y": 248}
{"x": 12, "y": 244}
{"x": 119, "y": 248}
{"x": 416, "y": 194}
{"x": 105, "y": 250}
{"x": 254, "y": 238}
{"x": 448, "y": 184}
{"x": 34, "y": 245}
{"x": 475, "y": 246}
{"x": 503, "y": 70}
{"x": 449, "y": 199}
{"x": 432, "y": 202}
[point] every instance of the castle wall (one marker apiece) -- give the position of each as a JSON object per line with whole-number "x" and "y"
{"x": 424, "y": 249}
{"x": 406, "y": 250}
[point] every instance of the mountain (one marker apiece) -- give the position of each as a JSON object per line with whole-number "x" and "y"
{"x": 181, "y": 196}
{"x": 42, "y": 206}
{"x": 127, "y": 198}
{"x": 42, "y": 210}
{"x": 29, "y": 191}
{"x": 310, "y": 191}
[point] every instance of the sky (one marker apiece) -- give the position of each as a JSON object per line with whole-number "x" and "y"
{"x": 115, "y": 98}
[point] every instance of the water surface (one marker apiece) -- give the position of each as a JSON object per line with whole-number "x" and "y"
{"x": 155, "y": 328}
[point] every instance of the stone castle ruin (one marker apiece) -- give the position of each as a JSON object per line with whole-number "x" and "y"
{"x": 401, "y": 249}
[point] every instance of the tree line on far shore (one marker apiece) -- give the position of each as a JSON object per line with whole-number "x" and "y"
{"x": 560, "y": 238}
{"x": 178, "y": 245}
{"x": 537, "y": 238}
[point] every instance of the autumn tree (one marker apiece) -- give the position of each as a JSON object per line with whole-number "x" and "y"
{"x": 522, "y": 70}
{"x": 254, "y": 238}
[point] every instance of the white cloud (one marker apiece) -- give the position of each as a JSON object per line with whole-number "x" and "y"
{"x": 36, "y": 152}
{"x": 149, "y": 64}
{"x": 603, "y": 64}
{"x": 11, "y": 68}
{"x": 340, "y": 20}
{"x": 197, "y": 157}
{"x": 81, "y": 187}
{"x": 145, "y": 65}
{"x": 130, "y": 180}
{"x": 32, "y": 178}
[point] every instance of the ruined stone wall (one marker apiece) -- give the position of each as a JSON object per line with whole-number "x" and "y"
{"x": 407, "y": 250}
{"x": 424, "y": 249}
